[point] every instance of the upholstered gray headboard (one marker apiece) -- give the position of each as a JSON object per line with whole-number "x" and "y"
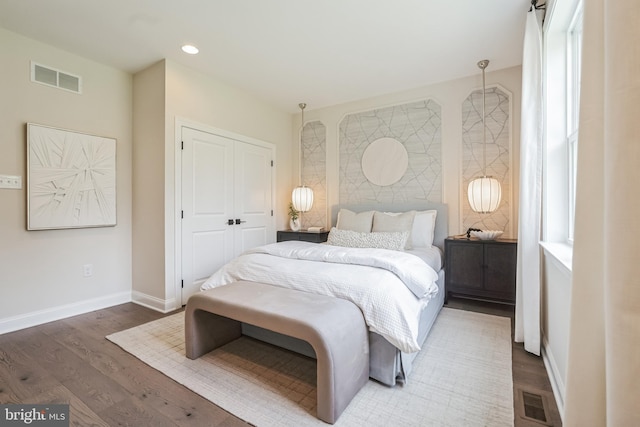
{"x": 442, "y": 219}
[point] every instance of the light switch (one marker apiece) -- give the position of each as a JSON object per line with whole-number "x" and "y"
{"x": 11, "y": 181}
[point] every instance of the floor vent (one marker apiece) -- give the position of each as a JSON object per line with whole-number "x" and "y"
{"x": 534, "y": 408}
{"x": 56, "y": 78}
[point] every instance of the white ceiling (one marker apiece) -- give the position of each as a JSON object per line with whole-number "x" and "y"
{"x": 321, "y": 52}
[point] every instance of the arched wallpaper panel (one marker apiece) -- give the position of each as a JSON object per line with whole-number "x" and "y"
{"x": 417, "y": 126}
{"x": 314, "y": 172}
{"x": 498, "y": 154}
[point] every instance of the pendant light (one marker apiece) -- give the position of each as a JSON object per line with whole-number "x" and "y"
{"x": 302, "y": 196}
{"x": 484, "y": 193}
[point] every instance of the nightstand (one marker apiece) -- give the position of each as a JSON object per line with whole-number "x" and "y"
{"x": 481, "y": 269}
{"x": 305, "y": 236}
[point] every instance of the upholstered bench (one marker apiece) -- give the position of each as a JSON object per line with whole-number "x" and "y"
{"x": 334, "y": 327}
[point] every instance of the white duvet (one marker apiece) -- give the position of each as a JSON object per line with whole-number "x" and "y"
{"x": 390, "y": 287}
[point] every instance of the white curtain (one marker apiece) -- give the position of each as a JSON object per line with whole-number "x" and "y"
{"x": 603, "y": 369}
{"x": 527, "y": 322}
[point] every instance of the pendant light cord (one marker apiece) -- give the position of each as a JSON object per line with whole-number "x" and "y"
{"x": 302, "y": 106}
{"x": 482, "y": 65}
{"x": 484, "y": 127}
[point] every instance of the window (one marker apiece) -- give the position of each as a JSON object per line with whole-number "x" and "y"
{"x": 574, "y": 59}
{"x": 562, "y": 38}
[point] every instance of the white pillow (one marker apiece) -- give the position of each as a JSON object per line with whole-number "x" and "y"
{"x": 353, "y": 239}
{"x": 423, "y": 229}
{"x": 393, "y": 222}
{"x": 348, "y": 220}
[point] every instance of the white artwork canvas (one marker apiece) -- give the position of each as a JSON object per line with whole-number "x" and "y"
{"x": 71, "y": 179}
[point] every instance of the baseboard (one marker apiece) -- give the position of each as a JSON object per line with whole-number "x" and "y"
{"x": 39, "y": 317}
{"x": 154, "y": 303}
{"x": 557, "y": 383}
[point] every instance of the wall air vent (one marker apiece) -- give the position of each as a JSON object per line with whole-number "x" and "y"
{"x": 56, "y": 78}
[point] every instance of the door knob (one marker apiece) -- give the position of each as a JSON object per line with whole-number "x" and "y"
{"x": 229, "y": 222}
{"x": 238, "y": 221}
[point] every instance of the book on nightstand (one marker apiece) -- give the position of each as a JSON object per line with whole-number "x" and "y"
{"x": 315, "y": 229}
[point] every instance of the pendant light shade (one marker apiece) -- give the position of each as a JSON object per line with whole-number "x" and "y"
{"x": 484, "y": 193}
{"x": 302, "y": 198}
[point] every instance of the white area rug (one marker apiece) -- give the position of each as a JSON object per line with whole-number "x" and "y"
{"x": 462, "y": 377}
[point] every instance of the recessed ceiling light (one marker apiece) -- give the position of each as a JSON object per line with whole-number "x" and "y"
{"x": 190, "y": 49}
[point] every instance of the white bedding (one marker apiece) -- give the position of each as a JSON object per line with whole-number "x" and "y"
{"x": 389, "y": 306}
{"x": 431, "y": 255}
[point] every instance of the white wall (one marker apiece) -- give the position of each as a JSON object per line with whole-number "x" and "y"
{"x": 148, "y": 176}
{"x": 41, "y": 272}
{"x": 556, "y": 304}
{"x": 450, "y": 95}
{"x": 194, "y": 97}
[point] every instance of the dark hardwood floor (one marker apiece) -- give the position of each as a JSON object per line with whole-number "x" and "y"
{"x": 70, "y": 361}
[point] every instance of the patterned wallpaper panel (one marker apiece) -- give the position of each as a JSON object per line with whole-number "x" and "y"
{"x": 314, "y": 172}
{"x": 417, "y": 126}
{"x": 498, "y": 154}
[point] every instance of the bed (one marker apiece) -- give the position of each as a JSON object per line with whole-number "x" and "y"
{"x": 393, "y": 342}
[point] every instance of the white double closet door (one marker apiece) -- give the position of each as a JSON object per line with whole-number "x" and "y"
{"x": 226, "y": 203}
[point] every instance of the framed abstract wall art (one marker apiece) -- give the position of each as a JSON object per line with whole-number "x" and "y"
{"x": 71, "y": 179}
